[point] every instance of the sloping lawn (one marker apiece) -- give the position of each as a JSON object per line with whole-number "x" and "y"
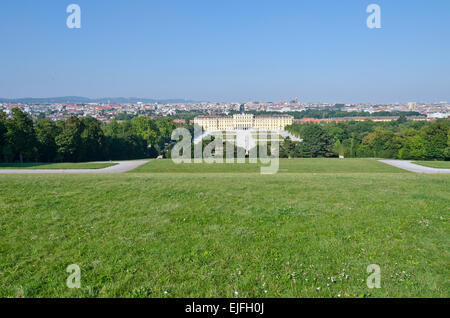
{"x": 318, "y": 165}
{"x": 434, "y": 164}
{"x": 65, "y": 165}
{"x": 226, "y": 234}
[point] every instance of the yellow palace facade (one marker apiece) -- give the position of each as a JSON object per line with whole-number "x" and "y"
{"x": 243, "y": 122}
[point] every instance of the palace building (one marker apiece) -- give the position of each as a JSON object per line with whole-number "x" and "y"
{"x": 243, "y": 122}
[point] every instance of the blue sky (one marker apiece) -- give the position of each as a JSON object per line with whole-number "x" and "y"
{"x": 234, "y": 50}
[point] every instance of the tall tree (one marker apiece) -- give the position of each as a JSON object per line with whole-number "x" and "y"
{"x": 3, "y": 131}
{"x": 165, "y": 127}
{"x": 413, "y": 148}
{"x": 69, "y": 140}
{"x": 122, "y": 142}
{"x": 435, "y": 138}
{"x": 384, "y": 144}
{"x": 447, "y": 149}
{"x": 402, "y": 119}
{"x": 287, "y": 148}
{"x": 92, "y": 140}
{"x": 46, "y": 132}
{"x": 146, "y": 128}
{"x": 21, "y": 136}
{"x": 316, "y": 142}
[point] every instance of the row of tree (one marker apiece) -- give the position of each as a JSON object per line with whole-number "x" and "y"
{"x": 399, "y": 139}
{"x": 81, "y": 138}
{"x": 316, "y": 143}
{"x": 87, "y": 139}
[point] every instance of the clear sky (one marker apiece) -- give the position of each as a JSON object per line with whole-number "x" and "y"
{"x": 233, "y": 50}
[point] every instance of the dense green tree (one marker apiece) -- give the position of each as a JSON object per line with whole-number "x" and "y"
{"x": 146, "y": 128}
{"x": 92, "y": 140}
{"x": 395, "y": 139}
{"x": 316, "y": 142}
{"x": 384, "y": 144}
{"x": 69, "y": 140}
{"x": 336, "y": 132}
{"x": 413, "y": 148}
{"x": 164, "y": 126}
{"x": 21, "y": 137}
{"x": 46, "y": 132}
{"x": 288, "y": 148}
{"x": 435, "y": 138}
{"x": 123, "y": 143}
{"x": 126, "y": 146}
{"x": 339, "y": 148}
{"x": 401, "y": 120}
{"x": 3, "y": 131}
{"x": 447, "y": 149}
{"x": 87, "y": 139}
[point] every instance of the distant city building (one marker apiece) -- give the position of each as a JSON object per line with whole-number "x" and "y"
{"x": 438, "y": 115}
{"x": 295, "y": 101}
{"x": 372, "y": 118}
{"x": 412, "y": 106}
{"x": 107, "y": 111}
{"x": 244, "y": 122}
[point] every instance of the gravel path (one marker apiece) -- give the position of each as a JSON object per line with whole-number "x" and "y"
{"x": 121, "y": 166}
{"x": 408, "y": 165}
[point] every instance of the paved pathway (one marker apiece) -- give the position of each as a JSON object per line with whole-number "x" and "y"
{"x": 121, "y": 166}
{"x": 408, "y": 165}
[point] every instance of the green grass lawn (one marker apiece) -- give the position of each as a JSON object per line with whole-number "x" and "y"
{"x": 65, "y": 165}
{"x": 286, "y": 166}
{"x": 434, "y": 164}
{"x": 156, "y": 233}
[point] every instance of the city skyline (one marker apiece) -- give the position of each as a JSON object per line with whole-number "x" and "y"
{"x": 149, "y": 100}
{"x": 321, "y": 51}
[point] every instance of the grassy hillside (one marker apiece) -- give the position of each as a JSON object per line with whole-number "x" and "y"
{"x": 204, "y": 234}
{"x": 65, "y": 165}
{"x": 434, "y": 164}
{"x": 297, "y": 165}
